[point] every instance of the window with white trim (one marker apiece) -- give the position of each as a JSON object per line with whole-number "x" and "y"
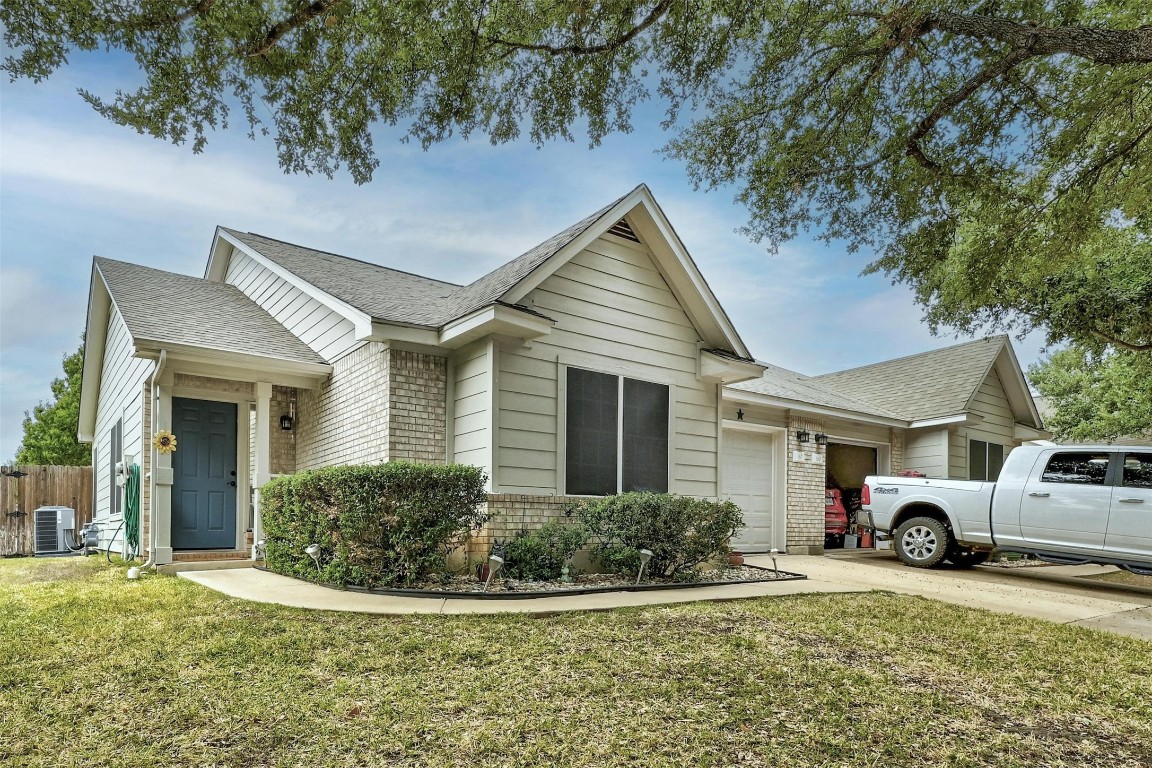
{"x": 985, "y": 460}
{"x": 616, "y": 436}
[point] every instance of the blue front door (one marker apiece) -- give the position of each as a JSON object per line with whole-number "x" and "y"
{"x": 204, "y": 469}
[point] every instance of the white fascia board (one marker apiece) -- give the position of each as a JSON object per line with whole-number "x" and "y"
{"x": 959, "y": 419}
{"x": 720, "y": 370}
{"x": 1024, "y": 432}
{"x": 1019, "y": 383}
{"x": 753, "y": 398}
{"x": 687, "y": 282}
{"x": 494, "y": 319}
{"x": 95, "y": 337}
{"x": 385, "y": 332}
{"x": 361, "y": 320}
{"x": 218, "y": 257}
{"x": 533, "y": 280}
{"x": 253, "y": 364}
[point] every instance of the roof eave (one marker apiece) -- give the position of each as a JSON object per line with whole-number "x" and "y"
{"x": 495, "y": 319}
{"x": 756, "y": 398}
{"x": 95, "y": 337}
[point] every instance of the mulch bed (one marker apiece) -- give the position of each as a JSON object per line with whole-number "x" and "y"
{"x": 511, "y": 589}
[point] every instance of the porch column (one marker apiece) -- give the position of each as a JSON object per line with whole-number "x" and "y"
{"x": 261, "y": 472}
{"x": 163, "y": 410}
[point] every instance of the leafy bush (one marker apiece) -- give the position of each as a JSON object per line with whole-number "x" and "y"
{"x": 382, "y": 525}
{"x": 540, "y": 555}
{"x": 681, "y": 531}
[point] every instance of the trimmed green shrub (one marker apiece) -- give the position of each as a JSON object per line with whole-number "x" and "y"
{"x": 681, "y": 531}
{"x": 540, "y": 555}
{"x": 384, "y": 525}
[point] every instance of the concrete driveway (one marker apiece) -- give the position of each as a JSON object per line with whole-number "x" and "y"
{"x": 1055, "y": 593}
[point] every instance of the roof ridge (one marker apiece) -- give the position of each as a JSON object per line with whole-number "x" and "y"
{"x": 1000, "y": 336}
{"x": 348, "y": 258}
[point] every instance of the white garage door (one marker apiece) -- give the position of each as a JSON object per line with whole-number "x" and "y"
{"x": 747, "y": 481}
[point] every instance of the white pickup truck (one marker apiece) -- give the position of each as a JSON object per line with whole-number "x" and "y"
{"x": 1064, "y": 504}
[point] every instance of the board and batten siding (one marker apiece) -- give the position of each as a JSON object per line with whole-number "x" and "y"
{"x": 122, "y": 379}
{"x": 615, "y": 314}
{"x": 326, "y": 331}
{"x": 998, "y": 425}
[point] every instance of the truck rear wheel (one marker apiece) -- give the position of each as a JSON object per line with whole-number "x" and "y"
{"x": 922, "y": 542}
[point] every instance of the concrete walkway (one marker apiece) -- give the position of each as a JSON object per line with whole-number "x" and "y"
{"x": 1056, "y": 593}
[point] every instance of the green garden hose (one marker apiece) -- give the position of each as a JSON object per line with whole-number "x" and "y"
{"x": 132, "y": 511}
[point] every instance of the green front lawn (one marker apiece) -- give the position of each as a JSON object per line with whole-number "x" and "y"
{"x": 96, "y": 670}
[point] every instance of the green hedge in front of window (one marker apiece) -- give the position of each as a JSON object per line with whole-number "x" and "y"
{"x": 376, "y": 526}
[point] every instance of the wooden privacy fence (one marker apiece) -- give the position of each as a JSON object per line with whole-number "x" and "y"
{"x": 40, "y": 487}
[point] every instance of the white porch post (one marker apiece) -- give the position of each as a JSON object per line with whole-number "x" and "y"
{"x": 162, "y": 419}
{"x": 261, "y": 473}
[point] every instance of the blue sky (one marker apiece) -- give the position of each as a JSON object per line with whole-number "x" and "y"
{"x": 73, "y": 186}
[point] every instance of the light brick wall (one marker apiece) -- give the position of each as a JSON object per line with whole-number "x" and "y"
{"x": 896, "y": 440}
{"x": 418, "y": 386}
{"x": 281, "y": 443}
{"x": 806, "y": 482}
{"x": 345, "y": 421}
{"x": 514, "y": 512}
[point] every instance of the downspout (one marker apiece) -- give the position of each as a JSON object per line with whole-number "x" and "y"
{"x": 152, "y": 528}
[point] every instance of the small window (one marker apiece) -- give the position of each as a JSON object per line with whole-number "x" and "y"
{"x": 1138, "y": 470}
{"x": 1076, "y": 468}
{"x": 115, "y": 454}
{"x": 616, "y": 436}
{"x": 985, "y": 460}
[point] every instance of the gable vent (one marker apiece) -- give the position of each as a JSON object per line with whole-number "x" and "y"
{"x": 621, "y": 229}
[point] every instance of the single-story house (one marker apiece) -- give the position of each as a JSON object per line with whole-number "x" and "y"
{"x": 597, "y": 362}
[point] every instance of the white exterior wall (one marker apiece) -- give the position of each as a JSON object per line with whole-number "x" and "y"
{"x": 926, "y": 450}
{"x": 615, "y": 314}
{"x": 998, "y": 425}
{"x": 122, "y": 379}
{"x": 471, "y": 393}
{"x": 327, "y": 332}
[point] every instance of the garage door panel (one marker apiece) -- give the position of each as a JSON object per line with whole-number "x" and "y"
{"x": 748, "y": 482}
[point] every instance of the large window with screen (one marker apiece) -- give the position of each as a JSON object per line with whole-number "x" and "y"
{"x": 616, "y": 436}
{"x": 985, "y": 460}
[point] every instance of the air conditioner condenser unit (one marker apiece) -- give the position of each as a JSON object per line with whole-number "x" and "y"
{"x": 52, "y": 527}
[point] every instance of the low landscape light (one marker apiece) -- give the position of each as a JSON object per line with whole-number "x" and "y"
{"x": 645, "y": 556}
{"x": 313, "y": 551}
{"x": 775, "y": 552}
{"x": 495, "y": 563}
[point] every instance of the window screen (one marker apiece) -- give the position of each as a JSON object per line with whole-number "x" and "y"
{"x": 1138, "y": 470}
{"x": 977, "y": 460}
{"x": 1078, "y": 468}
{"x": 591, "y": 442}
{"x": 645, "y": 466}
{"x": 995, "y": 460}
{"x": 115, "y": 454}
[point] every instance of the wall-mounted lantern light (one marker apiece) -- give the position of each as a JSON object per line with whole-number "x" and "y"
{"x": 803, "y": 435}
{"x": 821, "y": 438}
{"x": 287, "y": 419}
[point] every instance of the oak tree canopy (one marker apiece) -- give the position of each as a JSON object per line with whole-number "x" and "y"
{"x": 996, "y": 156}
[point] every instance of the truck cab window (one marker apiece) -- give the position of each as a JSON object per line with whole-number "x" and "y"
{"x": 1076, "y": 468}
{"x": 1138, "y": 470}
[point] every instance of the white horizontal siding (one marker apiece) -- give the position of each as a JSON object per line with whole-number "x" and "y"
{"x": 614, "y": 313}
{"x": 327, "y": 332}
{"x": 122, "y": 378}
{"x": 998, "y": 425}
{"x": 847, "y": 430}
{"x": 471, "y": 420}
{"x": 925, "y": 450}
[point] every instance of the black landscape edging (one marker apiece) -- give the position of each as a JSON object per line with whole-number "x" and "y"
{"x": 445, "y": 593}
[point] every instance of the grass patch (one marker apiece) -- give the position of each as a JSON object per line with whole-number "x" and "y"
{"x": 96, "y": 670}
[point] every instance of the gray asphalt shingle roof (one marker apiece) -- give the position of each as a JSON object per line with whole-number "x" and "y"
{"x": 394, "y": 296}
{"x": 178, "y": 309}
{"x": 924, "y": 386}
{"x": 790, "y": 385}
